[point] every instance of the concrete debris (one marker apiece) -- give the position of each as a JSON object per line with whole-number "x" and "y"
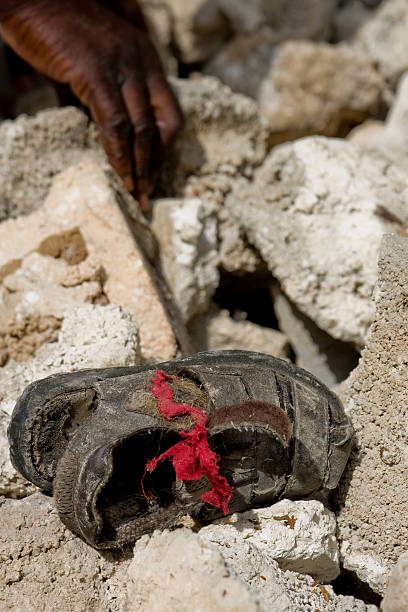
{"x": 299, "y": 535}
{"x": 80, "y": 238}
{"x": 313, "y": 193}
{"x": 199, "y": 28}
{"x": 396, "y": 594}
{"x": 187, "y": 237}
{"x": 329, "y": 359}
{"x": 194, "y": 575}
{"x": 35, "y": 149}
{"x": 45, "y": 567}
{"x": 308, "y": 19}
{"x": 302, "y": 87}
{"x": 223, "y": 134}
{"x": 389, "y": 138}
{"x": 190, "y": 577}
{"x": 384, "y": 41}
{"x": 373, "y": 495}
{"x": 303, "y": 219}
{"x": 219, "y": 331}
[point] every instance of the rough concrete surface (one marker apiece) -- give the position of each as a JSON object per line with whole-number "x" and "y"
{"x": 223, "y": 134}
{"x": 81, "y": 219}
{"x": 310, "y": 19}
{"x": 316, "y": 213}
{"x": 187, "y": 237}
{"x": 396, "y": 594}
{"x": 299, "y": 535}
{"x": 383, "y": 39}
{"x": 329, "y": 359}
{"x": 194, "y": 576}
{"x": 199, "y": 28}
{"x": 33, "y": 151}
{"x": 190, "y": 577}
{"x": 373, "y": 497}
{"x": 390, "y": 138}
{"x": 44, "y": 567}
{"x": 219, "y": 331}
{"x": 302, "y": 87}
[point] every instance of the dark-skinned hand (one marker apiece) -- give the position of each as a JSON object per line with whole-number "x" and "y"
{"x": 103, "y": 52}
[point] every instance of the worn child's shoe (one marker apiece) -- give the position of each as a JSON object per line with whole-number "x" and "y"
{"x": 126, "y": 448}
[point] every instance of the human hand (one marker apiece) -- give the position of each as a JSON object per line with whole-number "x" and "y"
{"x": 113, "y": 69}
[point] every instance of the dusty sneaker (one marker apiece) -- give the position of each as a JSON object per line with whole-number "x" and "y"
{"x": 129, "y": 450}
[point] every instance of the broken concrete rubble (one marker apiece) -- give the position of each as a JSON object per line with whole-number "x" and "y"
{"x": 297, "y": 83}
{"x": 373, "y": 495}
{"x": 191, "y": 576}
{"x": 286, "y": 18}
{"x": 80, "y": 223}
{"x": 396, "y": 594}
{"x": 299, "y": 535}
{"x": 389, "y": 138}
{"x": 382, "y": 38}
{"x": 187, "y": 237}
{"x": 313, "y": 193}
{"x": 322, "y": 206}
{"x": 44, "y": 567}
{"x": 199, "y": 28}
{"x": 219, "y": 331}
{"x": 194, "y": 576}
{"x": 223, "y": 134}
{"x": 33, "y": 151}
{"x": 315, "y": 351}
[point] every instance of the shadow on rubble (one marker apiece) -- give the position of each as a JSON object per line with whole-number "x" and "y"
{"x": 253, "y": 296}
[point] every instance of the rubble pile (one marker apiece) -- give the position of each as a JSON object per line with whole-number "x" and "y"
{"x": 275, "y": 227}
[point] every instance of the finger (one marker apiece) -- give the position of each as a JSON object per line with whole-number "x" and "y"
{"x": 166, "y": 109}
{"x": 137, "y": 103}
{"x": 129, "y": 9}
{"x": 167, "y": 112}
{"x": 109, "y": 112}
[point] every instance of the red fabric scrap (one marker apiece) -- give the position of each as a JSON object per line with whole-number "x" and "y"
{"x": 191, "y": 457}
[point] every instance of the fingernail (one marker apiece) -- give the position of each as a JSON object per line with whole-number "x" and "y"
{"x": 128, "y": 182}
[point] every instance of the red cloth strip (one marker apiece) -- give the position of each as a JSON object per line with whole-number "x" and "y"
{"x": 191, "y": 457}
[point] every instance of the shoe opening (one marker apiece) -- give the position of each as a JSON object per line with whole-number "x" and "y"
{"x": 125, "y": 509}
